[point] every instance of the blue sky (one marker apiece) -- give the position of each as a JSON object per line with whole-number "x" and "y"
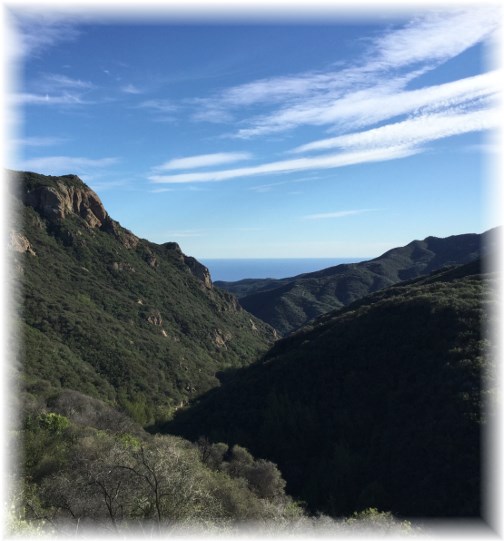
{"x": 342, "y": 138}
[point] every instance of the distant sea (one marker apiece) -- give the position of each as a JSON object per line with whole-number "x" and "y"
{"x": 231, "y": 270}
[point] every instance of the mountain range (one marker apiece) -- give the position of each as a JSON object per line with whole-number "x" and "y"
{"x": 289, "y": 303}
{"x": 373, "y": 399}
{"x": 378, "y": 404}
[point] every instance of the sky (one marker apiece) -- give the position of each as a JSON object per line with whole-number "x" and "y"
{"x": 337, "y": 137}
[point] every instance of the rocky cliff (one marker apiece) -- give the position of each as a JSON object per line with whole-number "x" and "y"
{"x": 112, "y": 315}
{"x": 69, "y": 196}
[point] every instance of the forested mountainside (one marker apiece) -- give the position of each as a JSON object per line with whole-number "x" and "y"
{"x": 114, "y": 333}
{"x": 289, "y": 303}
{"x": 378, "y": 404}
{"x": 375, "y": 406}
{"x": 103, "y": 312}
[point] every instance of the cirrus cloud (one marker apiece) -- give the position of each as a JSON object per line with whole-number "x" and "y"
{"x": 372, "y": 89}
{"x": 336, "y": 214}
{"x": 413, "y": 131}
{"x": 204, "y": 160}
{"x": 330, "y": 161}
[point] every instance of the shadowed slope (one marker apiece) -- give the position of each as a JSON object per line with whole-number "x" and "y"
{"x": 378, "y": 404}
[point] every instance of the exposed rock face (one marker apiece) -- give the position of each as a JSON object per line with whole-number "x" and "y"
{"x": 152, "y": 261}
{"x": 63, "y": 198}
{"x": 220, "y": 338}
{"x": 19, "y": 243}
{"x": 118, "y": 266}
{"x": 194, "y": 266}
{"x": 155, "y": 319}
{"x": 54, "y": 203}
{"x": 124, "y": 236}
{"x": 199, "y": 270}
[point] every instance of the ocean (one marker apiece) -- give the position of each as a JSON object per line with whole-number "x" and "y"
{"x": 231, "y": 270}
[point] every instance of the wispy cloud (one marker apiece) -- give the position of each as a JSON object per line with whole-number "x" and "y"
{"x": 204, "y": 160}
{"x": 352, "y": 99}
{"x": 162, "y": 190}
{"x": 215, "y": 115}
{"x": 35, "y": 32}
{"x": 58, "y": 165}
{"x": 488, "y": 148}
{"x": 26, "y": 98}
{"x": 288, "y": 166}
{"x": 265, "y": 188}
{"x": 413, "y": 131}
{"x": 39, "y": 141}
{"x": 438, "y": 36}
{"x": 336, "y": 214}
{"x": 131, "y": 89}
{"x": 160, "y": 110}
{"x": 371, "y": 90}
{"x": 379, "y": 103}
{"x": 55, "y": 89}
{"x": 159, "y": 106}
{"x": 51, "y": 81}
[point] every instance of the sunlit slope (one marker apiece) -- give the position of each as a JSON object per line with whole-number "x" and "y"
{"x": 114, "y": 316}
{"x": 289, "y": 303}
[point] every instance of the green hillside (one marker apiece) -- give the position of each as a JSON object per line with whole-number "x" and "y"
{"x": 116, "y": 317}
{"x": 376, "y": 405}
{"x": 290, "y": 303}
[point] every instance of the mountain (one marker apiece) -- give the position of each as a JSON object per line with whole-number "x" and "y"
{"x": 289, "y": 303}
{"x": 103, "y": 312}
{"x": 378, "y": 404}
{"x": 115, "y": 332}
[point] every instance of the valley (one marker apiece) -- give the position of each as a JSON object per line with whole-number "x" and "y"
{"x": 126, "y": 347}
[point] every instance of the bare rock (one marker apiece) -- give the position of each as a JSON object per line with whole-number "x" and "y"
{"x": 220, "y": 338}
{"x": 154, "y": 318}
{"x": 124, "y": 236}
{"x": 152, "y": 261}
{"x": 199, "y": 271}
{"x": 19, "y": 243}
{"x": 57, "y": 202}
{"x": 118, "y": 266}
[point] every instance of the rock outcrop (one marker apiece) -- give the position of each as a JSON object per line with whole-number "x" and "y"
{"x": 220, "y": 338}
{"x": 199, "y": 271}
{"x": 154, "y": 318}
{"x": 55, "y": 203}
{"x": 119, "y": 266}
{"x": 69, "y": 195}
{"x": 123, "y": 235}
{"x": 19, "y": 243}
